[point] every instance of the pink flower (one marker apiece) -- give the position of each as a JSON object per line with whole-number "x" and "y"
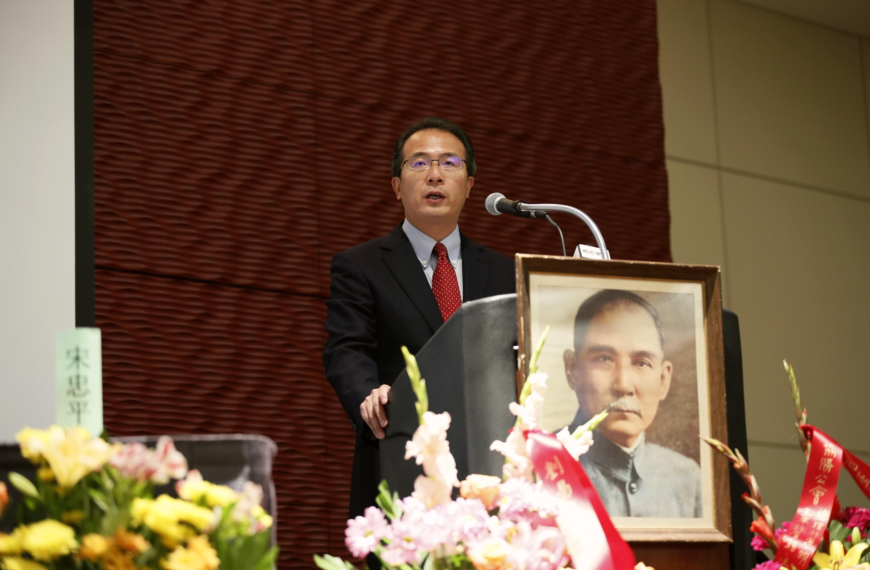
{"x": 430, "y": 491}
{"x": 576, "y": 447}
{"x": 853, "y": 517}
{"x": 363, "y": 534}
{"x": 758, "y": 543}
{"x": 138, "y": 462}
{"x": 523, "y": 501}
{"x": 531, "y": 412}
{"x": 430, "y": 448}
{"x": 404, "y": 535}
{"x": 769, "y": 565}
{"x": 543, "y": 548}
{"x": 518, "y": 465}
{"x": 783, "y": 528}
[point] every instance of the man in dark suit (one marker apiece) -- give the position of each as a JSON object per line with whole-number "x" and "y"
{"x": 399, "y": 289}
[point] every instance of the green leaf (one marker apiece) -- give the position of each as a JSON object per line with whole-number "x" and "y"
{"x": 23, "y": 484}
{"x": 328, "y": 562}
{"x": 838, "y": 531}
{"x": 590, "y": 425}
{"x": 412, "y": 367}
{"x": 267, "y": 560}
{"x": 533, "y": 363}
{"x": 389, "y": 504}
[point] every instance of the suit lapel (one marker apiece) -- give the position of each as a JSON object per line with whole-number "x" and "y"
{"x": 475, "y": 270}
{"x": 401, "y": 260}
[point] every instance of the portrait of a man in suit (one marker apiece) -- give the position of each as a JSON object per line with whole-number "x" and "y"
{"x": 619, "y": 363}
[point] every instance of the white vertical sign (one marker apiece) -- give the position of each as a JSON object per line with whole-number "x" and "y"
{"x": 80, "y": 379}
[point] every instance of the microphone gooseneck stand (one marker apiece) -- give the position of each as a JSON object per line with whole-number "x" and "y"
{"x": 599, "y": 239}
{"x": 561, "y": 235}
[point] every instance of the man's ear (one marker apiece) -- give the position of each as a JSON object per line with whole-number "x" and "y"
{"x": 397, "y": 187}
{"x": 570, "y": 360}
{"x": 470, "y": 184}
{"x": 667, "y": 371}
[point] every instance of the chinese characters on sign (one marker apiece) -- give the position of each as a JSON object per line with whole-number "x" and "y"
{"x": 80, "y": 379}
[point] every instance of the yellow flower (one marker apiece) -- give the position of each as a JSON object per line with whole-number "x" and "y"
{"x": 48, "y": 539}
{"x": 10, "y": 543}
{"x": 72, "y": 453}
{"x": 33, "y": 443}
{"x": 15, "y": 563}
{"x": 199, "y": 555}
{"x": 45, "y": 474}
{"x": 490, "y": 554}
{"x": 94, "y": 546}
{"x": 173, "y": 519}
{"x": 72, "y": 517}
{"x": 194, "y": 488}
{"x": 265, "y": 521}
{"x": 837, "y": 560}
{"x": 220, "y": 496}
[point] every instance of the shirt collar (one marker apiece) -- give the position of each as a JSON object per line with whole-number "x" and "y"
{"x": 423, "y": 244}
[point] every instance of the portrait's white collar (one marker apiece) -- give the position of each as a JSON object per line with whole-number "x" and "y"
{"x": 633, "y": 448}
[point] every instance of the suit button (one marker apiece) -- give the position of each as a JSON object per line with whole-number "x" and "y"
{"x": 632, "y": 487}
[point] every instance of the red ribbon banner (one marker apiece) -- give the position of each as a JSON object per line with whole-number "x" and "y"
{"x": 797, "y": 546}
{"x": 563, "y": 475}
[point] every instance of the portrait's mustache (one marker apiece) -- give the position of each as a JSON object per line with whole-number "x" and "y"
{"x": 623, "y": 404}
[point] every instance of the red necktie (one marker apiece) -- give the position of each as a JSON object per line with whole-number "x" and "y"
{"x": 444, "y": 283}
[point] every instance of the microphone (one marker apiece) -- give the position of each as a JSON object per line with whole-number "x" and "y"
{"x": 496, "y": 204}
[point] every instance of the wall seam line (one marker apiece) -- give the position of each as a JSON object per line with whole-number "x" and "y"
{"x": 726, "y": 277}
{"x": 142, "y": 273}
{"x": 774, "y": 179}
{"x": 794, "y": 447}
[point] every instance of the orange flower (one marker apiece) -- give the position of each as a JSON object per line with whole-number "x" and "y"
{"x": 483, "y": 487}
{"x": 4, "y": 497}
{"x": 94, "y": 547}
{"x": 131, "y": 542}
{"x": 761, "y": 527}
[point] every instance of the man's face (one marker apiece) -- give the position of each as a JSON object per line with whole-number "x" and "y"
{"x": 621, "y": 360}
{"x": 433, "y": 198}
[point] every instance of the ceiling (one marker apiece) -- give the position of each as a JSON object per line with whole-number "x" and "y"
{"x": 850, "y": 16}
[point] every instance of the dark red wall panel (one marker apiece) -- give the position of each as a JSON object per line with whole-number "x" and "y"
{"x": 240, "y": 144}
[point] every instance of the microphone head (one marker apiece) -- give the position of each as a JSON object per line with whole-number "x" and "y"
{"x": 491, "y": 201}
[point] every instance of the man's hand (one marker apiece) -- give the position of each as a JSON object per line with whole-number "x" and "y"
{"x": 373, "y": 412}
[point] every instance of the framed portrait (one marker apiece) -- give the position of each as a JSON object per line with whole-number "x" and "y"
{"x": 642, "y": 341}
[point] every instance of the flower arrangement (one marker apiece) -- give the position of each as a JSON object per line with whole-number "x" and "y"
{"x": 515, "y": 522}
{"x": 92, "y": 506}
{"x": 844, "y": 542}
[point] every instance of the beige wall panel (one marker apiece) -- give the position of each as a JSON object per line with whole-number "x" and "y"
{"x": 696, "y": 217}
{"x": 780, "y": 474}
{"x": 790, "y": 99}
{"x": 687, "y": 80}
{"x": 865, "y": 60}
{"x": 799, "y": 271}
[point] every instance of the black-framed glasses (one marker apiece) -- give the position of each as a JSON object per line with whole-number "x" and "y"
{"x": 424, "y": 162}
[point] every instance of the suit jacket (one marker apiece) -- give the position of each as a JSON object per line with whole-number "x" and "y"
{"x": 380, "y": 300}
{"x": 653, "y": 481}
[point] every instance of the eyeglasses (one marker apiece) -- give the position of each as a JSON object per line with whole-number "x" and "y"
{"x": 424, "y": 162}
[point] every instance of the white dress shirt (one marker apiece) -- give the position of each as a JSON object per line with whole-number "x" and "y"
{"x": 423, "y": 248}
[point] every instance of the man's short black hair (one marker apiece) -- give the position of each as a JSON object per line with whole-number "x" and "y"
{"x": 441, "y": 125}
{"x": 607, "y": 300}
